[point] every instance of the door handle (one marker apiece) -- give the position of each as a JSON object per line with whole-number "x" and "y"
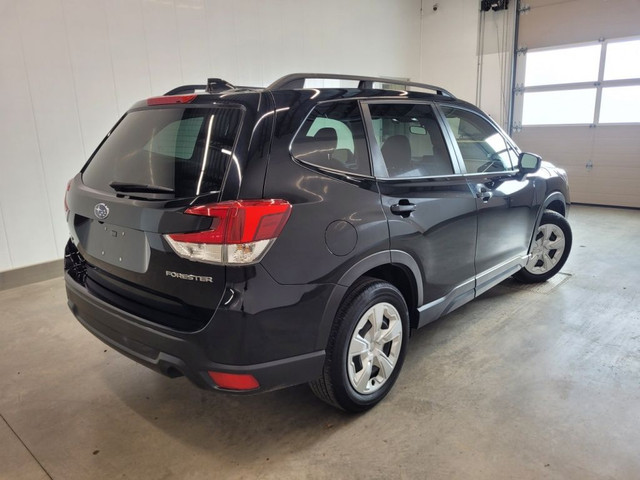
{"x": 403, "y": 208}
{"x": 485, "y": 196}
{"x": 483, "y": 193}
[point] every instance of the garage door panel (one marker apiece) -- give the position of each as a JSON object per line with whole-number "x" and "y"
{"x": 621, "y": 200}
{"x": 553, "y": 145}
{"x": 566, "y": 146}
{"x": 603, "y": 163}
{"x": 621, "y": 143}
{"x": 602, "y": 160}
{"x": 550, "y": 22}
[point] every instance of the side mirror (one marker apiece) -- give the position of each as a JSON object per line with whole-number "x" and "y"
{"x": 528, "y": 163}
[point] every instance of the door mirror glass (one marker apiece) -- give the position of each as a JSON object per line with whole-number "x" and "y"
{"x": 529, "y": 162}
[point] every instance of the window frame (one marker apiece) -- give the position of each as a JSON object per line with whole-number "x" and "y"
{"x": 342, "y": 173}
{"x": 508, "y": 141}
{"x": 379, "y": 167}
{"x": 599, "y": 85}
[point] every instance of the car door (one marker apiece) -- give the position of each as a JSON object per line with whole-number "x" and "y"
{"x": 505, "y": 200}
{"x": 431, "y": 211}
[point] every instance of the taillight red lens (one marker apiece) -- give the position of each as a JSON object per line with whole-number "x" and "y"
{"x": 241, "y": 232}
{"x": 240, "y": 221}
{"x": 171, "y": 99}
{"x": 234, "y": 381}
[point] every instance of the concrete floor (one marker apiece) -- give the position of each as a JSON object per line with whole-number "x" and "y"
{"x": 524, "y": 382}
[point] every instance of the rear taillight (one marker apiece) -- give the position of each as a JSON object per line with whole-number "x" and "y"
{"x": 241, "y": 232}
{"x": 66, "y": 192}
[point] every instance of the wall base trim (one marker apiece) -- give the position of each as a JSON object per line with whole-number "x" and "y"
{"x": 31, "y": 274}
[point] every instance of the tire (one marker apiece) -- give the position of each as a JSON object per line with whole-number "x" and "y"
{"x": 366, "y": 347}
{"x": 549, "y": 251}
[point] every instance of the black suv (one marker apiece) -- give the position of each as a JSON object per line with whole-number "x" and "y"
{"x": 255, "y": 238}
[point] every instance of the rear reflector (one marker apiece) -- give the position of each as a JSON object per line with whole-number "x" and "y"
{"x": 241, "y": 232}
{"x": 233, "y": 381}
{"x": 171, "y": 99}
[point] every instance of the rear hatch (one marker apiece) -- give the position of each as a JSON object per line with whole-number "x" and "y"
{"x": 156, "y": 163}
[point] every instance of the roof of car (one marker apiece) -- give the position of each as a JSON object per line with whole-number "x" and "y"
{"x": 296, "y": 81}
{"x": 360, "y": 87}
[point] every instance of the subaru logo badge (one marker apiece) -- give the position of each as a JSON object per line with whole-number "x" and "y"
{"x": 101, "y": 211}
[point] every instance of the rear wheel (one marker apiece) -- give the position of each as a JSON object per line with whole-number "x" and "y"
{"x": 366, "y": 347}
{"x": 549, "y": 251}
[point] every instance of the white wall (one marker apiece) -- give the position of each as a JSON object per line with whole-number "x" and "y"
{"x": 70, "y": 68}
{"x": 469, "y": 53}
{"x": 449, "y": 43}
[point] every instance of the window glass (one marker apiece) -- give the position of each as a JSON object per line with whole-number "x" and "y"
{"x": 620, "y": 105}
{"x": 623, "y": 60}
{"x": 559, "y": 107}
{"x": 178, "y": 139}
{"x": 345, "y": 136}
{"x": 563, "y": 65}
{"x": 184, "y": 150}
{"x": 482, "y": 146}
{"x": 582, "y": 85}
{"x": 332, "y": 136}
{"x": 410, "y": 140}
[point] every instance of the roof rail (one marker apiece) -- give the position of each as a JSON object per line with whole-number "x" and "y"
{"x": 296, "y": 80}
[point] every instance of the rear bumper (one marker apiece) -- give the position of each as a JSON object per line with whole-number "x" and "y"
{"x": 179, "y": 354}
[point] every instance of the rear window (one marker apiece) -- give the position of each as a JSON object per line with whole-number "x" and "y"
{"x": 184, "y": 151}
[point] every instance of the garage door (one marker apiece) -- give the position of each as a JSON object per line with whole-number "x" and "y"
{"x": 577, "y": 95}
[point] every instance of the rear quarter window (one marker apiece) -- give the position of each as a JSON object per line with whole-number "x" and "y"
{"x": 333, "y": 137}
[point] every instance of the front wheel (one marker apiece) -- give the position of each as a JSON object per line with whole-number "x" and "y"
{"x": 549, "y": 251}
{"x": 366, "y": 348}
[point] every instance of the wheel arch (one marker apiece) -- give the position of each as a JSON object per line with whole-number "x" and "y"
{"x": 394, "y": 266}
{"x": 555, "y": 202}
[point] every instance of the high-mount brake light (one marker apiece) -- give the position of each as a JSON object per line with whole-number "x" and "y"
{"x": 241, "y": 231}
{"x": 171, "y": 99}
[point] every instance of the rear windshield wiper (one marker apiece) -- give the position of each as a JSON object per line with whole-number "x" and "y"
{"x": 138, "y": 187}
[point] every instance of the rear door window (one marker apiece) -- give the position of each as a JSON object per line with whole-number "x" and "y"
{"x": 410, "y": 139}
{"x": 333, "y": 137}
{"x": 184, "y": 151}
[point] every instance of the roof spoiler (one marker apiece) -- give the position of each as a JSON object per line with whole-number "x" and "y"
{"x": 213, "y": 85}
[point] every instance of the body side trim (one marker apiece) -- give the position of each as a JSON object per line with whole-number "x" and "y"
{"x": 457, "y": 297}
{"x": 497, "y": 274}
